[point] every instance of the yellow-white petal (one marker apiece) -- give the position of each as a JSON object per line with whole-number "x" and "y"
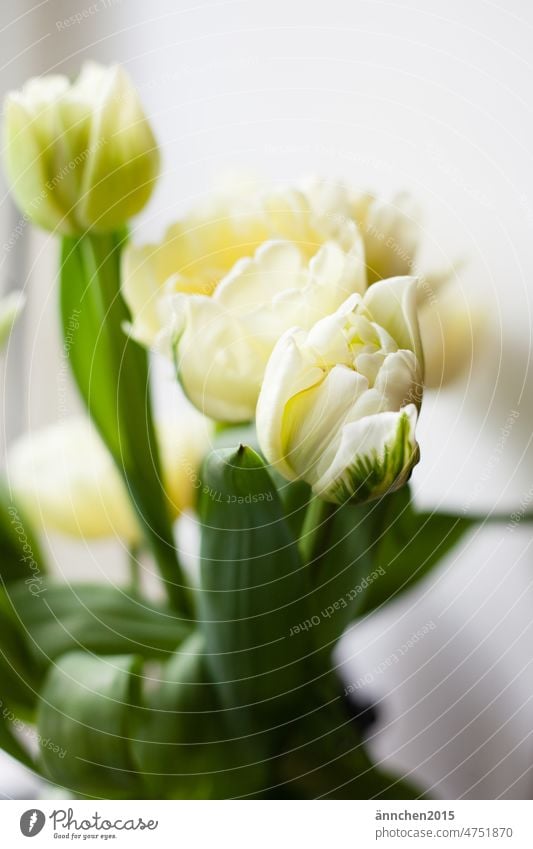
{"x": 375, "y": 455}
{"x": 66, "y": 480}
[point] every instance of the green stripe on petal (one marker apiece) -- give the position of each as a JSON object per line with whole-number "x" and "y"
{"x": 382, "y": 465}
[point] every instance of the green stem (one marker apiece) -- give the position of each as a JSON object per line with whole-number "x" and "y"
{"x": 315, "y": 528}
{"x": 495, "y": 518}
{"x": 134, "y": 552}
{"x": 112, "y": 374}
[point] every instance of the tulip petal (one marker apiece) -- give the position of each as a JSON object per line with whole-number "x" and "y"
{"x": 313, "y": 418}
{"x": 287, "y": 373}
{"x": 393, "y": 305}
{"x": 67, "y": 481}
{"x": 224, "y": 382}
{"x": 267, "y": 262}
{"x": 276, "y": 266}
{"x": 79, "y": 155}
{"x": 123, "y": 164}
{"x": 28, "y": 168}
{"x": 376, "y": 455}
{"x": 141, "y": 292}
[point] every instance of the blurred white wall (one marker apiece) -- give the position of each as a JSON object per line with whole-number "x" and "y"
{"x": 424, "y": 94}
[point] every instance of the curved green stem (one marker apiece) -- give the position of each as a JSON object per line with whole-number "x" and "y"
{"x": 111, "y": 371}
{"x": 313, "y": 537}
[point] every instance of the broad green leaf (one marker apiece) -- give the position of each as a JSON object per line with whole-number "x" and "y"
{"x": 408, "y": 544}
{"x": 83, "y": 722}
{"x": 111, "y": 371}
{"x": 21, "y": 557}
{"x": 324, "y": 757}
{"x": 182, "y": 744}
{"x": 8, "y": 741}
{"x": 95, "y": 618}
{"x": 253, "y": 592}
{"x": 19, "y": 672}
{"x": 295, "y": 496}
{"x": 19, "y": 681}
{"x": 340, "y": 574}
{"x": 369, "y": 555}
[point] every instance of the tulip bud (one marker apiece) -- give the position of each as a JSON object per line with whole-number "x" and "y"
{"x": 66, "y": 481}
{"x": 79, "y": 156}
{"x": 228, "y": 280}
{"x": 339, "y": 404}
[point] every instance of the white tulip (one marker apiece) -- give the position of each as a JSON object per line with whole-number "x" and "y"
{"x": 389, "y": 227}
{"x": 66, "y": 481}
{"x": 228, "y": 280}
{"x": 79, "y": 155}
{"x": 452, "y": 330}
{"x": 338, "y": 406}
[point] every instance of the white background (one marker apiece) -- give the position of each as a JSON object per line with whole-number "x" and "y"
{"x": 430, "y": 95}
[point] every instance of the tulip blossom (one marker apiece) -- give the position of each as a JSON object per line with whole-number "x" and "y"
{"x": 79, "y": 156}
{"x": 451, "y": 329}
{"x": 339, "y": 403}
{"x": 228, "y": 280}
{"x": 388, "y": 226}
{"x": 66, "y": 480}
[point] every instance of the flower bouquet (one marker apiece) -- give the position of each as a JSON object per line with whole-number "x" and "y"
{"x": 302, "y": 334}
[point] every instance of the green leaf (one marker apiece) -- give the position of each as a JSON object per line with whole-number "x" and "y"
{"x": 111, "y": 371}
{"x": 19, "y": 672}
{"x": 407, "y": 545}
{"x": 295, "y": 496}
{"x": 96, "y": 618}
{"x": 370, "y": 554}
{"x": 8, "y": 741}
{"x": 83, "y": 724}
{"x": 21, "y": 557}
{"x": 340, "y": 573}
{"x": 183, "y": 746}
{"x": 325, "y": 757}
{"x": 253, "y": 592}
